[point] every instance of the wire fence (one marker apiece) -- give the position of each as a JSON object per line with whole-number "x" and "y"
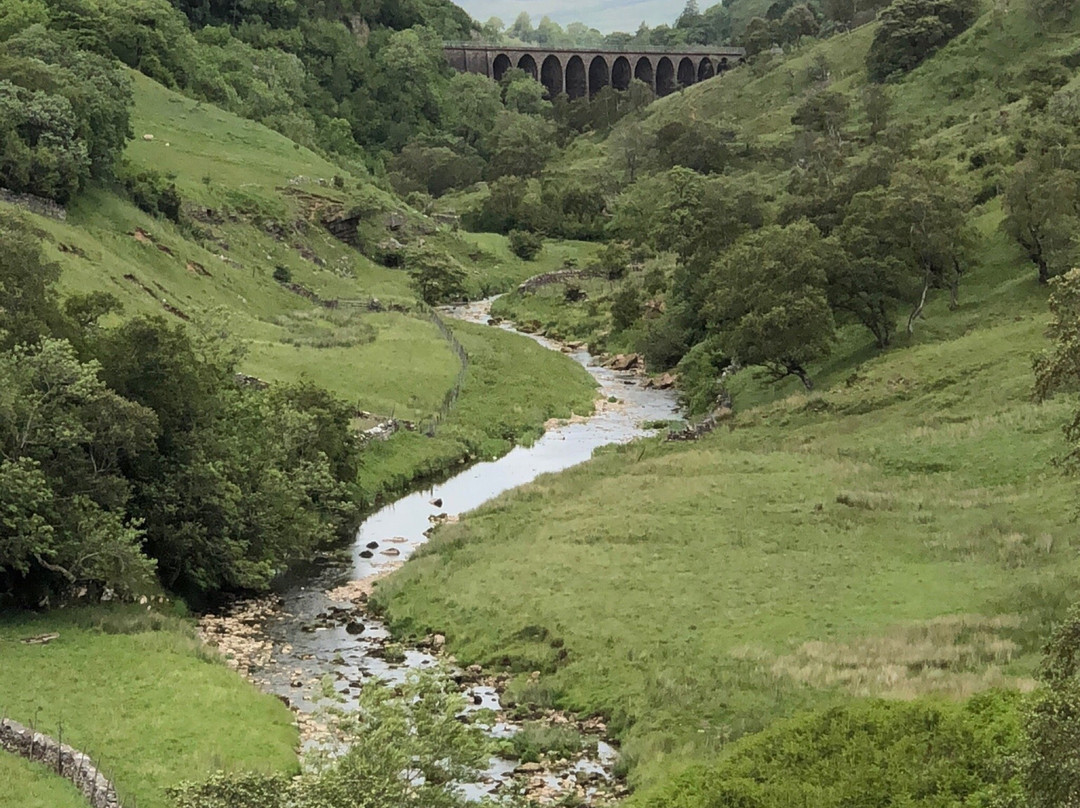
{"x": 429, "y": 425}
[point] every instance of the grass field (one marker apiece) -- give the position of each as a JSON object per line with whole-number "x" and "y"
{"x": 139, "y": 693}
{"x": 513, "y": 386}
{"x": 902, "y": 531}
{"x": 30, "y": 785}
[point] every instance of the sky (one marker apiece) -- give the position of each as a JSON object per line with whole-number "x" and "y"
{"x": 606, "y": 15}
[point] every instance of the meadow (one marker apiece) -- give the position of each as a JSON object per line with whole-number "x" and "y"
{"x": 900, "y": 532}
{"x": 139, "y": 692}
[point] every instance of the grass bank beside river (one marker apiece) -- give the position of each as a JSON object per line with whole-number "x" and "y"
{"x": 138, "y": 692}
{"x": 900, "y": 532}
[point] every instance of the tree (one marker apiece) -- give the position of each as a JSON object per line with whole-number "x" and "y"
{"x": 17, "y": 15}
{"x": 1042, "y": 213}
{"x": 525, "y": 245}
{"x": 877, "y": 105}
{"x": 435, "y": 167}
{"x": 758, "y": 37}
{"x": 28, "y": 302}
{"x": 524, "y": 95}
{"x": 626, "y": 306}
{"x": 911, "y": 30}
{"x": 1054, "y": 11}
{"x": 63, "y": 434}
{"x": 1052, "y": 723}
{"x": 683, "y": 212}
{"x": 239, "y": 482}
{"x": 918, "y": 220}
{"x": 1059, "y": 368}
{"x": 492, "y": 30}
{"x": 521, "y": 145}
{"x": 438, "y": 278}
{"x": 521, "y": 28}
{"x": 702, "y": 145}
{"x": 823, "y": 111}
{"x": 613, "y": 259}
{"x": 627, "y": 148}
{"x": 767, "y": 300}
{"x": 471, "y": 107}
{"x": 42, "y": 153}
{"x": 797, "y": 22}
{"x": 98, "y": 89}
{"x": 548, "y": 33}
{"x": 869, "y": 281}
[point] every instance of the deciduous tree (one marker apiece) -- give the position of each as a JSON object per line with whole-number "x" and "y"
{"x": 767, "y": 300}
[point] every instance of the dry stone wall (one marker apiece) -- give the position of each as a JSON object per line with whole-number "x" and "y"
{"x": 69, "y": 763}
{"x": 34, "y": 204}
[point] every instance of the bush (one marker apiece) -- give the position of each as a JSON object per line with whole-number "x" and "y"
{"x": 282, "y": 274}
{"x": 626, "y": 306}
{"x": 525, "y": 245}
{"x": 152, "y": 192}
{"x": 536, "y": 740}
{"x": 916, "y": 753}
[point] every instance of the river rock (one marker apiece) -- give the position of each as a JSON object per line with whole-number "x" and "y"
{"x": 354, "y": 627}
{"x": 366, "y": 554}
{"x": 529, "y": 768}
{"x": 665, "y": 382}
{"x": 437, "y": 502}
{"x": 371, "y": 545}
{"x": 391, "y": 551}
{"x": 625, "y": 362}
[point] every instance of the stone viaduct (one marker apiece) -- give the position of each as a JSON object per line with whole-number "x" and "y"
{"x": 582, "y": 72}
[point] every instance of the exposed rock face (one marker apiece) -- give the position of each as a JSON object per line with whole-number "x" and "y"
{"x": 69, "y": 763}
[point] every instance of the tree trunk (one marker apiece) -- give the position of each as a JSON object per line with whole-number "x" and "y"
{"x": 916, "y": 313}
{"x": 1044, "y": 270}
{"x": 808, "y": 383}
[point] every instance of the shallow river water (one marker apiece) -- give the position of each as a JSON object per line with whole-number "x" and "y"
{"x": 307, "y": 646}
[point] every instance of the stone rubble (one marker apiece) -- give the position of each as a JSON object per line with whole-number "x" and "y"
{"x": 237, "y": 635}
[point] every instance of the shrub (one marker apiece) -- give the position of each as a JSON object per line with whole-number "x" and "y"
{"x": 917, "y": 753}
{"x": 152, "y": 192}
{"x": 525, "y": 245}
{"x": 626, "y": 306}
{"x": 282, "y": 274}
{"x": 536, "y": 740}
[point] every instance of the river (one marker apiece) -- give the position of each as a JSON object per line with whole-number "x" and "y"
{"x": 310, "y": 635}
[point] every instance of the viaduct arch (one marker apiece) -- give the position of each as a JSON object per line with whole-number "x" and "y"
{"x": 583, "y": 72}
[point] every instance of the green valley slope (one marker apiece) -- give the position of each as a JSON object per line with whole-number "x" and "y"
{"x": 902, "y": 531}
{"x": 253, "y": 202}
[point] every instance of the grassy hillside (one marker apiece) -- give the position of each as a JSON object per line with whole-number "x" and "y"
{"x": 138, "y": 692}
{"x": 900, "y": 532}
{"x": 253, "y": 202}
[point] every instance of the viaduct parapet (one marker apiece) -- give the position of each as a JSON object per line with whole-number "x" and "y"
{"x": 583, "y": 72}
